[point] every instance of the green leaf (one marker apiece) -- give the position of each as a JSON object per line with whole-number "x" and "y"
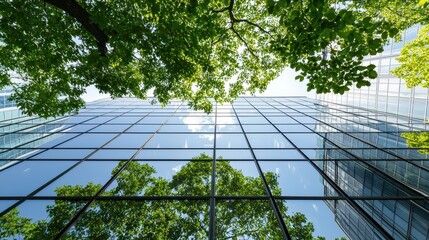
{"x": 393, "y": 32}
{"x": 372, "y": 74}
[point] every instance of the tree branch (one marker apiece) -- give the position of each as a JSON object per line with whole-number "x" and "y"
{"x": 234, "y": 20}
{"x": 245, "y": 43}
{"x": 72, "y": 8}
{"x": 253, "y": 24}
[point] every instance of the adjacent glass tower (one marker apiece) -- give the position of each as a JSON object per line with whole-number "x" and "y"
{"x": 262, "y": 168}
{"x": 388, "y": 93}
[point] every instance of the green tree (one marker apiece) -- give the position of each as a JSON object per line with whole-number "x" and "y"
{"x": 414, "y": 59}
{"x": 417, "y": 140}
{"x": 164, "y": 219}
{"x": 402, "y": 14}
{"x": 185, "y": 49}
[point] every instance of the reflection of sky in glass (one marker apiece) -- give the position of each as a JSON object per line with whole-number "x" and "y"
{"x": 147, "y": 154}
{"x": 27, "y": 176}
{"x": 296, "y": 178}
{"x": 230, "y": 141}
{"x": 268, "y": 141}
{"x": 181, "y": 141}
{"x": 98, "y": 172}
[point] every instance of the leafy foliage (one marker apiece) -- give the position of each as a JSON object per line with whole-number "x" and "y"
{"x": 417, "y": 140}
{"x": 164, "y": 219}
{"x": 186, "y": 49}
{"x": 414, "y": 61}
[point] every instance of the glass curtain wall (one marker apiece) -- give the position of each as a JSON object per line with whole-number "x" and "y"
{"x": 262, "y": 168}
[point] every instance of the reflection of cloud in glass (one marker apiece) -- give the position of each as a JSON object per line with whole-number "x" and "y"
{"x": 316, "y": 209}
{"x": 291, "y": 168}
{"x": 194, "y": 123}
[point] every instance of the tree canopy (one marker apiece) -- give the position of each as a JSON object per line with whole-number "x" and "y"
{"x": 186, "y": 49}
{"x": 165, "y": 219}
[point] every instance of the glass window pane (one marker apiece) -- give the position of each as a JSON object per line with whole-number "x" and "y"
{"x": 293, "y": 178}
{"x": 153, "y": 120}
{"x": 144, "y": 128}
{"x": 287, "y": 154}
{"x": 282, "y": 120}
{"x": 129, "y": 140}
{"x": 90, "y": 176}
{"x": 231, "y": 141}
{"x": 63, "y": 154}
{"x": 163, "y": 178}
{"x": 320, "y": 215}
{"x": 113, "y": 154}
{"x": 293, "y": 128}
{"x": 228, "y": 128}
{"x": 110, "y": 128}
{"x": 253, "y": 120}
{"x": 54, "y": 139}
{"x": 306, "y": 140}
{"x": 181, "y": 141}
{"x": 259, "y": 128}
{"x": 246, "y": 219}
{"x": 79, "y": 128}
{"x": 88, "y": 140}
{"x": 238, "y": 178}
{"x": 187, "y": 128}
{"x": 124, "y": 120}
{"x": 25, "y": 177}
{"x": 227, "y": 120}
{"x": 268, "y": 141}
{"x": 178, "y": 154}
{"x": 233, "y": 154}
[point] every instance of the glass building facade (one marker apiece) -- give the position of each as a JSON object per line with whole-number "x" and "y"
{"x": 34, "y": 130}
{"x": 262, "y": 168}
{"x": 388, "y": 93}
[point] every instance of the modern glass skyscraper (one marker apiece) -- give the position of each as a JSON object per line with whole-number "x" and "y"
{"x": 262, "y": 168}
{"x": 34, "y": 129}
{"x": 388, "y": 93}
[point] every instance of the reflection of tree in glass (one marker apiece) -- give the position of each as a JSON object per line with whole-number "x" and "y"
{"x": 417, "y": 140}
{"x": 165, "y": 219}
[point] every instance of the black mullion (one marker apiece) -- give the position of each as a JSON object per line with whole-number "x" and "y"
{"x": 338, "y": 189}
{"x": 80, "y": 213}
{"x": 230, "y": 197}
{"x": 212, "y": 224}
{"x": 276, "y": 210}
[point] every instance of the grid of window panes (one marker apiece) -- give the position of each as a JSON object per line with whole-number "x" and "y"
{"x": 4, "y": 98}
{"x": 388, "y": 93}
{"x": 260, "y": 169}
